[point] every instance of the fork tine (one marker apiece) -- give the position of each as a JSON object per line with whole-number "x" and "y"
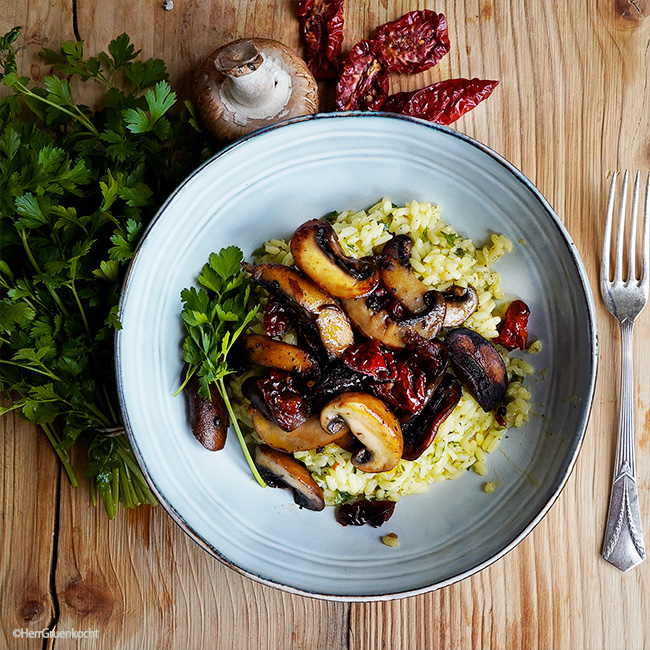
{"x": 605, "y": 260}
{"x": 645, "y": 244}
{"x": 618, "y": 267}
{"x": 631, "y": 260}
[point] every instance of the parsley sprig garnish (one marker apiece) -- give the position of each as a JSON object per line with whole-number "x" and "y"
{"x": 77, "y": 188}
{"x": 214, "y": 316}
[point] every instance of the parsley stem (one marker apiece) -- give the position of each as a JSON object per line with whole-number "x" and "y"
{"x": 81, "y": 309}
{"x": 77, "y": 115}
{"x": 61, "y": 453}
{"x": 45, "y": 371}
{"x": 222, "y": 390}
{"x": 37, "y": 268}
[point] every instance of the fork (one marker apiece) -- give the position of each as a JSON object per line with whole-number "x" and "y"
{"x": 625, "y": 299}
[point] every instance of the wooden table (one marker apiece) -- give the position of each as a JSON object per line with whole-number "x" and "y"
{"x": 573, "y": 105}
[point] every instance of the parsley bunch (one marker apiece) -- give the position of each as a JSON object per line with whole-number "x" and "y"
{"x": 77, "y": 187}
{"x": 214, "y": 316}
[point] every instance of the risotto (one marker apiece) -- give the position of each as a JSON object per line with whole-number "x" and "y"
{"x": 440, "y": 257}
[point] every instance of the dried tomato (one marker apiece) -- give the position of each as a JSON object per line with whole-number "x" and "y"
{"x": 364, "y": 80}
{"x": 408, "y": 391}
{"x": 429, "y": 354}
{"x": 443, "y": 102}
{"x": 276, "y": 318}
{"x": 321, "y": 25}
{"x": 373, "y": 513}
{"x": 372, "y": 359}
{"x": 289, "y": 409}
{"x": 415, "y": 42}
{"x": 513, "y": 333}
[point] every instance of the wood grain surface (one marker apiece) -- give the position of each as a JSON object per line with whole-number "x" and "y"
{"x": 573, "y": 104}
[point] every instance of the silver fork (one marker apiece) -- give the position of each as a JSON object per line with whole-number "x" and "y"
{"x": 625, "y": 299}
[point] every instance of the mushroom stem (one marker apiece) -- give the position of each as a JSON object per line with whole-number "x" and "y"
{"x": 256, "y": 85}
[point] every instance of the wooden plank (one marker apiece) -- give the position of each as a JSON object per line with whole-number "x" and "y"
{"x": 29, "y": 481}
{"x": 30, "y": 472}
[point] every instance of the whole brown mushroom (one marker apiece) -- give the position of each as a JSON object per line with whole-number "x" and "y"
{"x": 252, "y": 83}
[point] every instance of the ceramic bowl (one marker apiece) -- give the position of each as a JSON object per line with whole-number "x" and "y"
{"x": 263, "y": 187}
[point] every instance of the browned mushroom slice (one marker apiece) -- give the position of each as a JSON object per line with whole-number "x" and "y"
{"x": 309, "y": 435}
{"x": 318, "y": 254}
{"x": 330, "y": 319}
{"x": 478, "y": 365}
{"x": 251, "y": 83}
{"x": 267, "y": 352}
{"x": 398, "y": 277}
{"x": 372, "y": 423}
{"x": 461, "y": 303}
{"x": 379, "y": 324}
{"x": 281, "y": 470}
{"x": 208, "y": 417}
{"x": 420, "y": 432}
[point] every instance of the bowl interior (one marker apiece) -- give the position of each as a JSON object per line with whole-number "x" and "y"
{"x": 264, "y": 187}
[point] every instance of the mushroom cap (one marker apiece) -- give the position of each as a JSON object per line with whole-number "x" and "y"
{"x": 324, "y": 310}
{"x": 309, "y": 435}
{"x": 281, "y": 470}
{"x": 375, "y": 426}
{"x": 318, "y": 254}
{"x": 461, "y": 303}
{"x": 217, "y": 118}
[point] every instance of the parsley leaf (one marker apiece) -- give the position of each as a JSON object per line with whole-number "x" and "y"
{"x": 214, "y": 315}
{"x": 77, "y": 189}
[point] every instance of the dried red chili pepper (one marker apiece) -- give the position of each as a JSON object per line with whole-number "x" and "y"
{"x": 364, "y": 80}
{"x": 415, "y": 42}
{"x": 373, "y": 513}
{"x": 276, "y": 318}
{"x": 443, "y": 102}
{"x": 372, "y": 359}
{"x": 288, "y": 408}
{"x": 513, "y": 332}
{"x": 321, "y": 25}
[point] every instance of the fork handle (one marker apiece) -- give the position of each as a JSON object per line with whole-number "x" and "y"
{"x": 623, "y": 545}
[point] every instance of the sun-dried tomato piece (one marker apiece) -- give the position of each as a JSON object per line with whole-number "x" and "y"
{"x": 429, "y": 354}
{"x": 419, "y": 432}
{"x": 321, "y": 25}
{"x": 443, "y": 102}
{"x": 373, "y": 513}
{"x": 513, "y": 332}
{"x": 371, "y": 358}
{"x": 276, "y": 318}
{"x": 415, "y": 42}
{"x": 288, "y": 408}
{"x": 364, "y": 80}
{"x": 408, "y": 391}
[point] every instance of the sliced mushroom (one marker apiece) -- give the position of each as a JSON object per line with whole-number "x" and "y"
{"x": 252, "y": 83}
{"x": 398, "y": 277}
{"x": 372, "y": 423}
{"x": 420, "y": 431}
{"x": 267, "y": 352}
{"x": 208, "y": 417}
{"x": 281, "y": 470}
{"x": 318, "y": 254}
{"x": 379, "y": 325}
{"x": 309, "y": 435}
{"x": 330, "y": 319}
{"x": 478, "y": 365}
{"x": 461, "y": 303}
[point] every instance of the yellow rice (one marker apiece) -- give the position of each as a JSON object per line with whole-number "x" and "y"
{"x": 441, "y": 257}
